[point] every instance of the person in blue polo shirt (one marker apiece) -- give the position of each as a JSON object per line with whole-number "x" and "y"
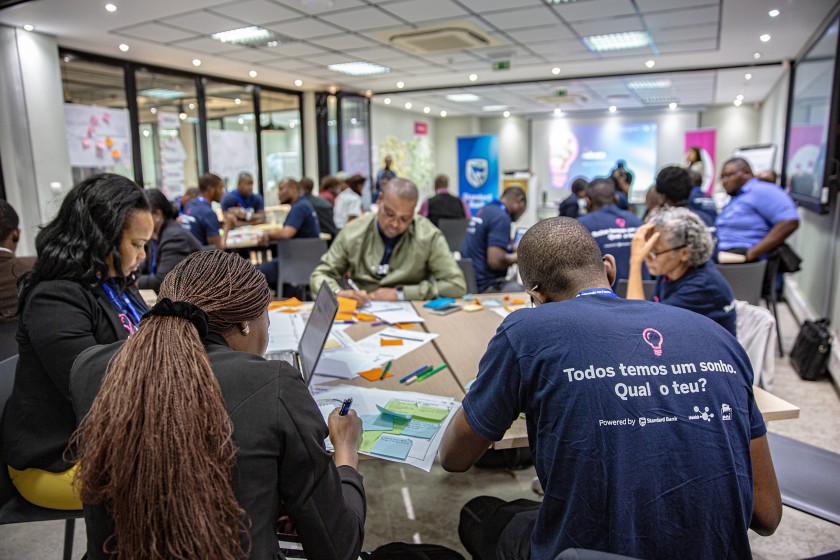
{"x": 246, "y": 206}
{"x": 648, "y": 444}
{"x": 677, "y": 247}
{"x": 301, "y": 223}
{"x": 699, "y": 201}
{"x": 488, "y": 241}
{"x": 612, "y": 227}
{"x": 759, "y": 217}
{"x": 200, "y": 218}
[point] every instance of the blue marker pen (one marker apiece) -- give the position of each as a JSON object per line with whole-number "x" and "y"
{"x": 413, "y": 373}
{"x": 345, "y": 406}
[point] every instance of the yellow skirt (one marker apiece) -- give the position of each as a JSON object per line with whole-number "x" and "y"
{"x": 47, "y": 489}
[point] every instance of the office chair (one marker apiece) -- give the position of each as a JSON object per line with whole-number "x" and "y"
{"x": 469, "y": 274}
{"x": 648, "y": 286}
{"x": 296, "y": 259}
{"x": 13, "y": 508}
{"x": 455, "y": 231}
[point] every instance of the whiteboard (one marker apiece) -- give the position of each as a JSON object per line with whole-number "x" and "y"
{"x": 97, "y": 136}
{"x": 760, "y": 158}
{"x": 232, "y": 152}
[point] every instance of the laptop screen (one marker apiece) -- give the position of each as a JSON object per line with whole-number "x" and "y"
{"x": 518, "y": 237}
{"x": 317, "y": 331}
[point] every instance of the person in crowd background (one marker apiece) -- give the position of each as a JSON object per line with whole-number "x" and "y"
{"x": 653, "y": 201}
{"x": 610, "y": 226}
{"x": 443, "y": 204}
{"x": 348, "y": 203}
{"x": 391, "y": 254}
{"x": 323, "y": 209}
{"x": 698, "y": 201}
{"x": 207, "y": 428}
{"x": 169, "y": 245}
{"x": 677, "y": 247}
{"x": 12, "y": 267}
{"x": 243, "y": 204}
{"x": 674, "y": 184}
{"x": 382, "y": 177}
{"x": 694, "y": 161}
{"x": 570, "y": 206}
{"x": 624, "y": 182}
{"x": 200, "y": 218}
{"x": 599, "y": 429}
{"x": 76, "y": 296}
{"x": 330, "y": 187}
{"x": 188, "y": 196}
{"x": 488, "y": 242}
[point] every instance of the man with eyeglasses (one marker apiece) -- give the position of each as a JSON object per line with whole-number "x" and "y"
{"x": 759, "y": 217}
{"x": 391, "y": 254}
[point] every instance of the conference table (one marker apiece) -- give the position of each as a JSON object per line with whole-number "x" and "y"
{"x": 461, "y": 342}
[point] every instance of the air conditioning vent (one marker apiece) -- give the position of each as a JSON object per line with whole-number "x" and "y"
{"x": 452, "y": 36}
{"x": 562, "y": 101}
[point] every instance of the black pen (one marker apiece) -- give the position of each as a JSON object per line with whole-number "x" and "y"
{"x": 345, "y": 406}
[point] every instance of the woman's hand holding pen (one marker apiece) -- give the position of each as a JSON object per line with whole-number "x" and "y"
{"x": 346, "y": 436}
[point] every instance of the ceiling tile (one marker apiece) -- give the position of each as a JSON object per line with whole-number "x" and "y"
{"x": 556, "y": 47}
{"x": 708, "y": 31}
{"x": 155, "y": 32}
{"x": 256, "y": 12}
{"x": 362, "y": 18}
{"x": 206, "y": 45}
{"x": 652, "y": 5}
{"x": 305, "y": 28}
{"x": 594, "y": 9}
{"x": 484, "y": 6}
{"x": 376, "y": 53}
{"x": 203, "y": 22}
{"x": 297, "y": 48}
{"x": 252, "y": 54}
{"x": 323, "y": 7}
{"x": 289, "y": 64}
{"x": 608, "y": 25}
{"x": 327, "y": 58}
{"x": 524, "y": 17}
{"x": 673, "y": 18}
{"x": 417, "y": 11}
{"x": 544, "y": 33}
{"x": 687, "y": 46}
{"x": 344, "y": 42}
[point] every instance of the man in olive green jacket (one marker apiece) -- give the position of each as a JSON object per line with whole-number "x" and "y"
{"x": 391, "y": 255}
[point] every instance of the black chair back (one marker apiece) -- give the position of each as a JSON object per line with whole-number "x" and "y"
{"x": 745, "y": 279}
{"x": 621, "y": 288}
{"x": 469, "y": 274}
{"x": 455, "y": 231}
{"x": 296, "y": 259}
{"x": 8, "y": 342}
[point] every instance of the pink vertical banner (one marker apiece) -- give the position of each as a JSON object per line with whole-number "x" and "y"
{"x": 705, "y": 140}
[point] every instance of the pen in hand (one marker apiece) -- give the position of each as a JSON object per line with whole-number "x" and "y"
{"x": 345, "y": 406}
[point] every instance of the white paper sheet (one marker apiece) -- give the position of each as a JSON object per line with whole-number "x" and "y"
{"x": 394, "y": 311}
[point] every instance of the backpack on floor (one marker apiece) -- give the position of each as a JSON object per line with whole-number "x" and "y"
{"x": 811, "y": 351}
{"x": 405, "y": 551}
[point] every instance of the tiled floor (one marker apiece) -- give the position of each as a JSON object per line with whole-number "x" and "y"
{"x": 405, "y": 504}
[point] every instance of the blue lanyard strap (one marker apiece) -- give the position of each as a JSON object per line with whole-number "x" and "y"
{"x": 123, "y": 304}
{"x": 597, "y": 292}
{"x": 242, "y": 201}
{"x": 153, "y": 247}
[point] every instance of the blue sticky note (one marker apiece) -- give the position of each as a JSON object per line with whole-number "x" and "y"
{"x": 392, "y": 446}
{"x": 438, "y": 303}
{"x": 491, "y": 303}
{"x": 393, "y": 414}
{"x": 377, "y": 422}
{"x": 420, "y": 429}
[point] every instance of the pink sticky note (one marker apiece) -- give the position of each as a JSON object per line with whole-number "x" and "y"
{"x": 100, "y": 145}
{"x": 106, "y": 117}
{"x": 91, "y": 131}
{"x": 85, "y": 143}
{"x": 93, "y": 120}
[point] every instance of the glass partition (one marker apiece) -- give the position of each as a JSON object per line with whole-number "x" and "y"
{"x": 280, "y": 139}
{"x": 231, "y": 131}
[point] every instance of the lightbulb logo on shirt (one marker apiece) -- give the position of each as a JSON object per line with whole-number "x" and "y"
{"x": 654, "y": 339}
{"x": 620, "y": 222}
{"x": 476, "y": 170}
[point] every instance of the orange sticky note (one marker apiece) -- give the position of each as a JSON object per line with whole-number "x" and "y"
{"x": 109, "y": 142}
{"x": 288, "y": 310}
{"x": 391, "y": 341}
{"x": 346, "y": 305}
{"x": 517, "y": 301}
{"x": 405, "y": 325}
{"x": 373, "y": 374}
{"x": 506, "y": 297}
{"x": 115, "y": 154}
{"x": 361, "y": 316}
{"x": 291, "y": 302}
{"x": 344, "y": 316}
{"x": 275, "y": 305}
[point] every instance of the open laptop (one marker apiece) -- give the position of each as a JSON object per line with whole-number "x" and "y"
{"x": 315, "y": 334}
{"x": 520, "y": 231}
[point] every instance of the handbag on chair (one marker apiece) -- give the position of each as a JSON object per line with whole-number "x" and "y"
{"x": 811, "y": 351}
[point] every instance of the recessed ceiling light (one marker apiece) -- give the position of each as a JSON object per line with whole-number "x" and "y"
{"x": 387, "y": 101}
{"x": 506, "y": 114}
{"x": 298, "y": 83}
{"x": 738, "y": 102}
{"x": 110, "y": 8}
{"x": 237, "y": 101}
{"x": 650, "y": 63}
{"x": 183, "y": 116}
{"x": 240, "y": 120}
{"x": 473, "y": 77}
{"x": 427, "y": 110}
{"x": 272, "y": 44}
{"x": 649, "y": 84}
{"x": 764, "y": 38}
{"x": 196, "y": 62}
{"x": 555, "y": 71}
{"x": 354, "y": 120}
{"x": 613, "y": 108}
{"x": 463, "y": 97}
{"x": 146, "y": 133}
{"x": 408, "y": 105}
{"x": 332, "y": 89}
{"x": 672, "y": 105}
{"x": 368, "y": 93}
{"x": 252, "y": 35}
{"x": 124, "y": 47}
{"x": 400, "y": 85}
{"x": 28, "y": 27}
{"x": 192, "y": 106}
{"x": 162, "y": 93}
{"x": 774, "y": 13}
{"x": 359, "y": 68}
{"x": 443, "y": 113}
{"x": 748, "y": 76}
{"x": 494, "y": 108}
{"x": 740, "y": 97}
{"x": 617, "y": 41}
{"x": 757, "y": 55}
{"x": 153, "y": 110}
{"x": 253, "y": 73}
{"x": 558, "y": 112}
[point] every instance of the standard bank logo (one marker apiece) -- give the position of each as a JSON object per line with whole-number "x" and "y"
{"x": 476, "y": 171}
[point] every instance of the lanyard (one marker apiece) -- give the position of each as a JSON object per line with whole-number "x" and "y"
{"x": 597, "y": 292}
{"x": 153, "y": 247}
{"x": 501, "y": 205}
{"x": 124, "y": 305}
{"x": 202, "y": 199}
{"x": 242, "y": 201}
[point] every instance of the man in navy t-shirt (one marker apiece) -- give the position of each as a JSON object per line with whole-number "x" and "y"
{"x": 488, "y": 241}
{"x": 612, "y": 227}
{"x": 246, "y": 206}
{"x": 646, "y": 443}
{"x": 301, "y": 223}
{"x": 200, "y": 218}
{"x": 674, "y": 184}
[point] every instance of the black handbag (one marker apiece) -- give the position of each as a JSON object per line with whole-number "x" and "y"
{"x": 789, "y": 261}
{"x": 812, "y": 349}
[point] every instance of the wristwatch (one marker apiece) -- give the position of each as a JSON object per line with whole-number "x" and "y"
{"x": 400, "y": 293}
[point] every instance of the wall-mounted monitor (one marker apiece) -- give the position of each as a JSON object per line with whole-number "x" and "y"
{"x": 811, "y": 164}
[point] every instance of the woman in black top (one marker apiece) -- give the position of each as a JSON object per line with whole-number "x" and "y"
{"x": 76, "y": 296}
{"x": 187, "y": 451}
{"x": 169, "y": 245}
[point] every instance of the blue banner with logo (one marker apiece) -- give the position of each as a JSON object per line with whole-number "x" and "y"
{"x": 478, "y": 170}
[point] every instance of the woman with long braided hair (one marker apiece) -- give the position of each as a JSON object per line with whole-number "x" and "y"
{"x": 189, "y": 441}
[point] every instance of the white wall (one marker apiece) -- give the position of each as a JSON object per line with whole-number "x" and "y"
{"x": 514, "y": 141}
{"x": 447, "y": 131}
{"x": 736, "y": 127}
{"x": 395, "y": 126}
{"x": 772, "y": 119}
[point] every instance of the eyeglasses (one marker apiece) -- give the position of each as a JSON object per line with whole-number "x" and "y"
{"x": 654, "y": 254}
{"x": 727, "y": 176}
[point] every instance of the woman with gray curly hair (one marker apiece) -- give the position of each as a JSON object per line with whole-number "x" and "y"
{"x": 676, "y": 247}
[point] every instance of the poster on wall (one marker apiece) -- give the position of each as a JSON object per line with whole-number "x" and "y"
{"x": 704, "y": 140}
{"x": 172, "y": 154}
{"x": 97, "y": 136}
{"x": 591, "y": 151}
{"x": 478, "y": 170}
{"x": 230, "y": 153}
{"x": 806, "y": 160}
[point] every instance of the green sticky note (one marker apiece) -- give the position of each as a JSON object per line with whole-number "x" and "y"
{"x": 368, "y": 439}
{"x": 393, "y": 413}
{"x": 420, "y": 412}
